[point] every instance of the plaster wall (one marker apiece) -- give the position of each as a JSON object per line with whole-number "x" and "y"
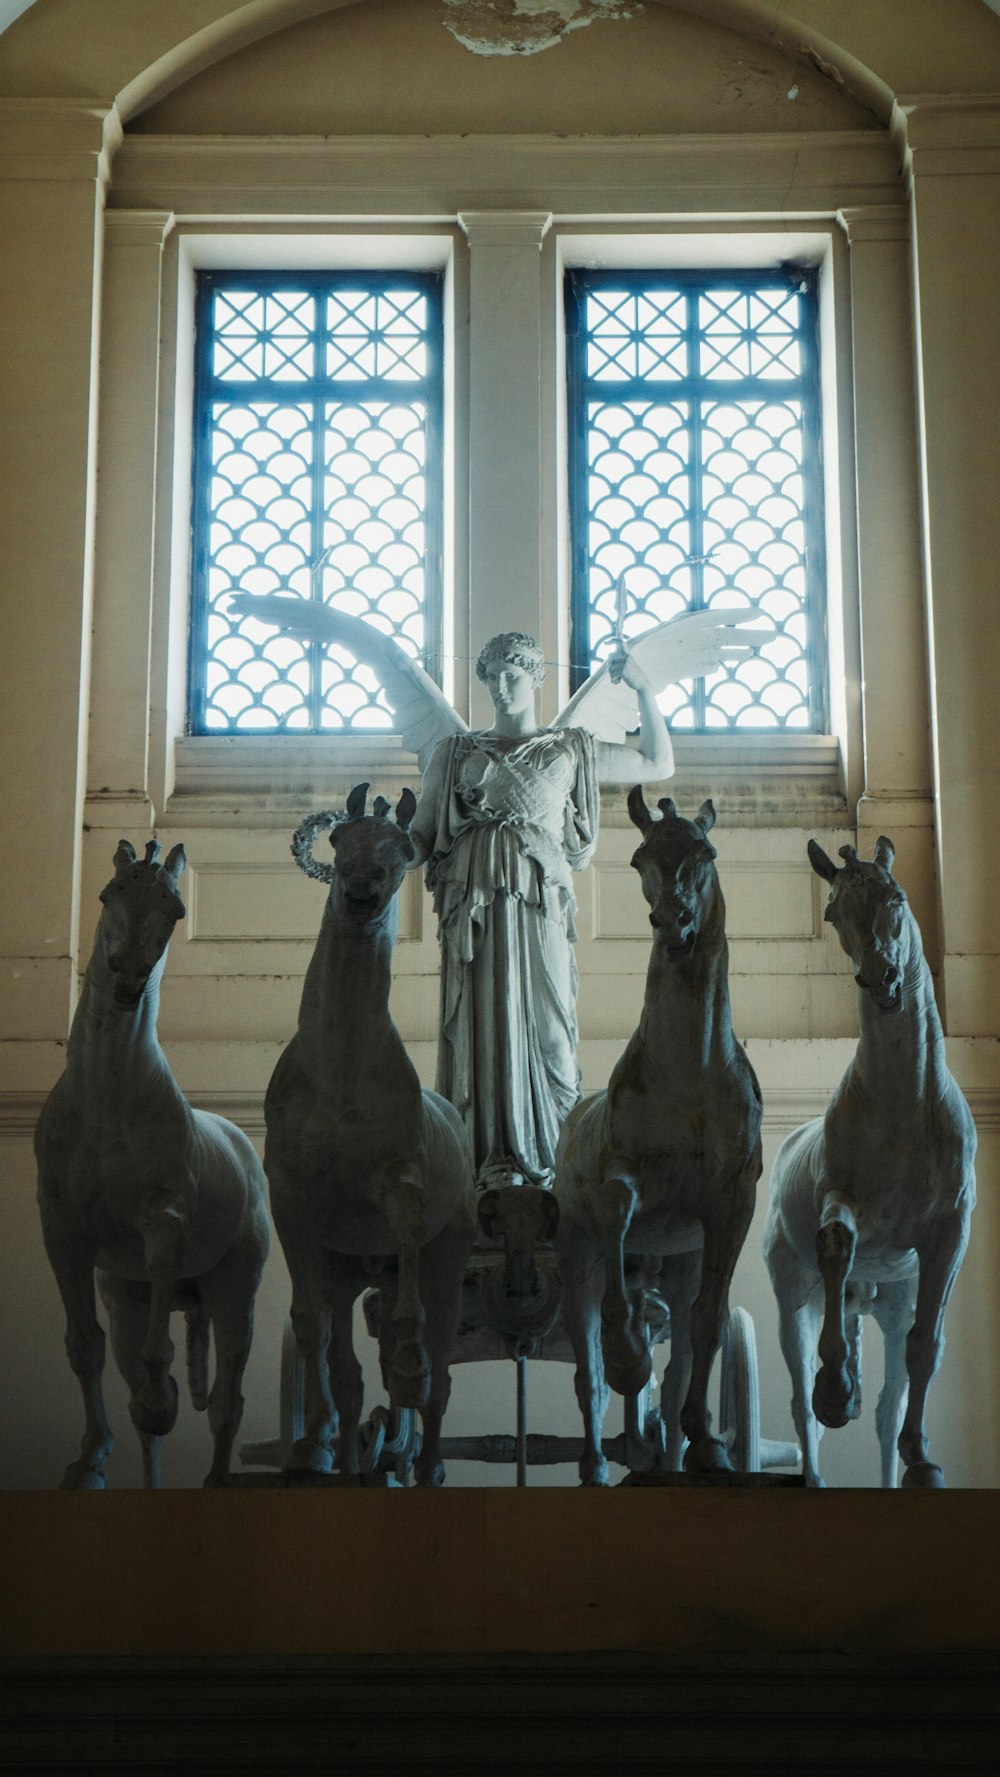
{"x": 707, "y": 154}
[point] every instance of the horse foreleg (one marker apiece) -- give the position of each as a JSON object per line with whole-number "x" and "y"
{"x": 678, "y": 1286}
{"x": 227, "y": 1295}
{"x": 892, "y": 1310}
{"x": 627, "y": 1363}
{"x": 346, "y": 1280}
{"x": 796, "y": 1290}
{"x": 582, "y": 1273}
{"x": 154, "y": 1404}
{"x": 404, "y": 1205}
{"x": 85, "y": 1345}
{"x": 127, "y": 1305}
{"x": 310, "y": 1317}
{"x": 939, "y": 1261}
{"x": 835, "y": 1387}
{"x": 442, "y": 1273}
{"x": 725, "y": 1232}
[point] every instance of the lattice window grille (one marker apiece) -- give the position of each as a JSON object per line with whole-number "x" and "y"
{"x": 695, "y": 471}
{"x": 318, "y": 473}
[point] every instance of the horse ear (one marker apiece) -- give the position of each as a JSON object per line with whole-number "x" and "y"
{"x": 705, "y": 818}
{"x": 175, "y": 864}
{"x": 124, "y": 856}
{"x": 356, "y": 802}
{"x": 406, "y": 808}
{"x": 638, "y": 812}
{"x": 885, "y": 852}
{"x": 822, "y": 865}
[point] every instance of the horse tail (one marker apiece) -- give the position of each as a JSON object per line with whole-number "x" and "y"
{"x": 197, "y": 1323}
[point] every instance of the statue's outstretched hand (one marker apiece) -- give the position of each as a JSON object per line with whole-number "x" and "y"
{"x": 624, "y": 668}
{"x": 293, "y": 616}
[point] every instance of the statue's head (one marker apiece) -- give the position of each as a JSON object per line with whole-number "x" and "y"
{"x": 515, "y": 648}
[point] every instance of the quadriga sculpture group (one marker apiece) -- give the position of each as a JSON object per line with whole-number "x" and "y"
{"x": 372, "y": 1176}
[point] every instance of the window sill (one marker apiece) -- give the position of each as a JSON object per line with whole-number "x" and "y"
{"x": 259, "y": 780}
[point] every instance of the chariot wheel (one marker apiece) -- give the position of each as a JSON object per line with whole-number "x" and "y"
{"x": 739, "y": 1393}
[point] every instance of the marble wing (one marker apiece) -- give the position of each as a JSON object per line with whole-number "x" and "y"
{"x": 687, "y": 647}
{"x": 421, "y": 710}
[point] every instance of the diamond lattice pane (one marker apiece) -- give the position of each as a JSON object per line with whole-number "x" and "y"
{"x": 376, "y": 335}
{"x": 635, "y": 334}
{"x": 260, "y": 335}
{"x": 750, "y": 333}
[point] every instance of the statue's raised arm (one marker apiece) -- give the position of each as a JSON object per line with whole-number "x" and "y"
{"x": 687, "y": 647}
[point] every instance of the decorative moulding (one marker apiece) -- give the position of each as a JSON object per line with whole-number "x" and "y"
{"x": 382, "y": 176}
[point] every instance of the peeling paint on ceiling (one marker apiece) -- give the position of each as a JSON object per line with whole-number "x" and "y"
{"x": 523, "y": 27}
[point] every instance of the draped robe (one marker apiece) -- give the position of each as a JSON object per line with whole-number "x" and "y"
{"x": 510, "y": 825}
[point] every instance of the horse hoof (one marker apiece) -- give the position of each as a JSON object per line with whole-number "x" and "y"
{"x": 315, "y": 1458}
{"x": 81, "y": 1479}
{"x": 923, "y": 1474}
{"x": 834, "y": 1399}
{"x": 155, "y": 1418}
{"x": 707, "y": 1456}
{"x": 430, "y": 1474}
{"x": 594, "y": 1474}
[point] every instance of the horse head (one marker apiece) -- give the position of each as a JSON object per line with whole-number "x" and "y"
{"x": 867, "y": 909}
{"x": 676, "y": 865}
{"x": 371, "y": 854}
{"x": 141, "y": 909}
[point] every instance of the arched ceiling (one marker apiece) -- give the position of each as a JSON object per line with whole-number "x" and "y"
{"x": 120, "y": 51}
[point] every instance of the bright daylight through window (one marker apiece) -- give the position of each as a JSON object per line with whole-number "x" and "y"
{"x": 695, "y": 473}
{"x": 317, "y": 472}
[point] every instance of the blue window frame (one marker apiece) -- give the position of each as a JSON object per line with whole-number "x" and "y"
{"x": 317, "y": 472}
{"x": 695, "y": 471}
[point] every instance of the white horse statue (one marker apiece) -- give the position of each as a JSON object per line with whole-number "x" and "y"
{"x": 664, "y": 1164}
{"x": 168, "y": 1204}
{"x": 364, "y": 1166}
{"x": 870, "y": 1204}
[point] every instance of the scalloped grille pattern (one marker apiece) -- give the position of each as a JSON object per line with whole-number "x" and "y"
{"x": 317, "y": 473}
{"x": 695, "y": 473}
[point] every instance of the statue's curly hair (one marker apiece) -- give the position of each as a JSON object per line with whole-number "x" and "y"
{"x": 518, "y": 648}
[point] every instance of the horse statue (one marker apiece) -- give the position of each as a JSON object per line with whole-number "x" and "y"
{"x": 166, "y": 1203}
{"x": 368, "y": 1172}
{"x": 870, "y": 1204}
{"x": 663, "y": 1165}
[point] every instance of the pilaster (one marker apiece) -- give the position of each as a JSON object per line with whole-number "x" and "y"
{"x": 952, "y": 148}
{"x": 897, "y": 797}
{"x": 124, "y": 548}
{"x": 505, "y": 400}
{"x": 54, "y": 162}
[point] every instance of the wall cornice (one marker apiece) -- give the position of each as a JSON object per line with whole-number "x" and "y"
{"x": 944, "y": 135}
{"x": 758, "y": 175}
{"x": 58, "y": 139}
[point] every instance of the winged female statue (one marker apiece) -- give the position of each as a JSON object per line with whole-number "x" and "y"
{"x": 505, "y": 814}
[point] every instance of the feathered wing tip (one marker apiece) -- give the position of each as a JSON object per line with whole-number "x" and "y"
{"x": 421, "y": 711}
{"x": 688, "y": 647}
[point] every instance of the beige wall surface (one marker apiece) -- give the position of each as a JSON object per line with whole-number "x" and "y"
{"x": 282, "y": 128}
